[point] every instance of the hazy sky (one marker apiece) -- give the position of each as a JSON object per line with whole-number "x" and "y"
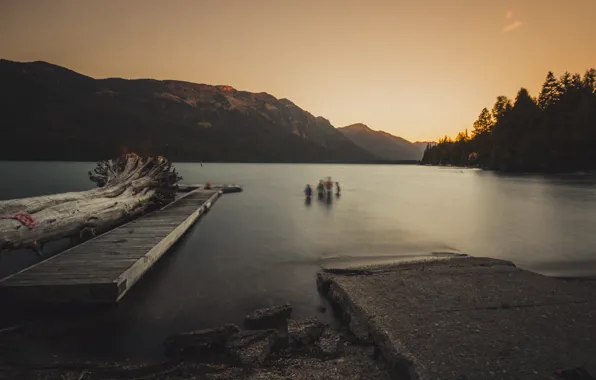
{"x": 417, "y": 68}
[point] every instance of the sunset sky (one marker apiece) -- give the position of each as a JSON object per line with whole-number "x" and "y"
{"x": 419, "y": 69}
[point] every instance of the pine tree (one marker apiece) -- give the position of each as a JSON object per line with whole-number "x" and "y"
{"x": 462, "y": 137}
{"x": 483, "y": 124}
{"x": 551, "y": 91}
{"x": 584, "y": 127}
{"x": 501, "y": 107}
{"x": 555, "y": 132}
{"x": 426, "y": 155}
{"x": 565, "y": 82}
{"x": 589, "y": 81}
{"x": 576, "y": 82}
{"x": 523, "y": 99}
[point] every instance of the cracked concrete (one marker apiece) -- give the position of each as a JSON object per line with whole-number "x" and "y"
{"x": 467, "y": 318}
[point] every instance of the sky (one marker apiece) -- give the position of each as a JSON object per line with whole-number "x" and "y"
{"x": 420, "y": 69}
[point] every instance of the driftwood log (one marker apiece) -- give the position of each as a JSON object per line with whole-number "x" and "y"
{"x": 127, "y": 187}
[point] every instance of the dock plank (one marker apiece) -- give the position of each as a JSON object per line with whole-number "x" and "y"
{"x": 104, "y": 269}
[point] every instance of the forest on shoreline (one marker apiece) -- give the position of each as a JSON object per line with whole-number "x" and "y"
{"x": 555, "y": 132}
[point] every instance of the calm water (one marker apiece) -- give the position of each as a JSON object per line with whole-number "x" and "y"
{"x": 263, "y": 246}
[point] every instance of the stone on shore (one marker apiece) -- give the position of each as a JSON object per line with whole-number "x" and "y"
{"x": 268, "y": 318}
{"x": 275, "y": 317}
{"x": 329, "y": 343}
{"x": 317, "y": 351}
{"x": 468, "y": 318}
{"x": 304, "y": 332}
{"x": 201, "y": 344}
{"x": 252, "y": 348}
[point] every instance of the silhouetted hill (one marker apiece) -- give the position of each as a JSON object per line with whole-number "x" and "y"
{"x": 383, "y": 144}
{"x": 48, "y": 112}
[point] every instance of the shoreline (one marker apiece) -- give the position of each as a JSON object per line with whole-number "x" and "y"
{"x": 586, "y": 173}
{"x": 312, "y": 350}
{"x": 306, "y": 162}
{"x": 400, "y": 321}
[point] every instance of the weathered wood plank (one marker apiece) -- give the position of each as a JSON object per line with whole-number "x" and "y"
{"x": 143, "y": 231}
{"x": 64, "y": 280}
{"x": 60, "y": 281}
{"x": 93, "y": 267}
{"x": 81, "y": 269}
{"x": 134, "y": 273}
{"x": 104, "y": 269}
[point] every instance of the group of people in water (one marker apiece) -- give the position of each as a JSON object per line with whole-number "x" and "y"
{"x": 325, "y": 187}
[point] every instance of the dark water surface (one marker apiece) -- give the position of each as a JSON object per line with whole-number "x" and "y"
{"x": 264, "y": 246}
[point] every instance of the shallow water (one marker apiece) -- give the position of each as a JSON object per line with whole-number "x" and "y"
{"x": 264, "y": 246}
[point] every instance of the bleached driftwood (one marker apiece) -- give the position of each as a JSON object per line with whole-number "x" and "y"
{"x": 127, "y": 186}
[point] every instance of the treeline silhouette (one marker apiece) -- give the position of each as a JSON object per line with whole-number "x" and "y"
{"x": 555, "y": 132}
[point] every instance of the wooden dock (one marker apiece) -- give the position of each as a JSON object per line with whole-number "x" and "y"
{"x": 104, "y": 269}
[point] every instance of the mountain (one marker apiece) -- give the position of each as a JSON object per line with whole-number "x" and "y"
{"x": 383, "y": 144}
{"x": 48, "y": 112}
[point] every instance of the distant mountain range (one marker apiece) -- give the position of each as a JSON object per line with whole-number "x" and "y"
{"x": 48, "y": 112}
{"x": 383, "y": 144}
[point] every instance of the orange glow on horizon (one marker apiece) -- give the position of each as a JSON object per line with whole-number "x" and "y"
{"x": 419, "y": 70}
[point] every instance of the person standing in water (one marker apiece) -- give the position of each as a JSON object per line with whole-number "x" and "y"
{"x": 337, "y": 188}
{"x": 308, "y": 191}
{"x": 329, "y": 185}
{"x": 321, "y": 189}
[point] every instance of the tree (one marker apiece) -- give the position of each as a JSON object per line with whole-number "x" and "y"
{"x": 565, "y": 82}
{"x": 584, "y": 127}
{"x": 589, "y": 80}
{"x": 523, "y": 147}
{"x": 550, "y": 93}
{"x": 462, "y": 137}
{"x": 483, "y": 124}
{"x": 554, "y": 132}
{"x": 501, "y": 107}
{"x": 576, "y": 82}
{"x": 501, "y": 111}
{"x": 445, "y": 140}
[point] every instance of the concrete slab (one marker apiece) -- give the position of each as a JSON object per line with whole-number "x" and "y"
{"x": 467, "y": 318}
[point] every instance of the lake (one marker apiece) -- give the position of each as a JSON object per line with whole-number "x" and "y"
{"x": 263, "y": 246}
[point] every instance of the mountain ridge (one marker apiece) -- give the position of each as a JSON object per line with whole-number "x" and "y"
{"x": 383, "y": 144}
{"x": 60, "y": 114}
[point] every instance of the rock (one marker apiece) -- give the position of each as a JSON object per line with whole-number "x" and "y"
{"x": 252, "y": 348}
{"x": 275, "y": 317}
{"x": 247, "y": 337}
{"x": 200, "y": 344}
{"x": 329, "y": 343}
{"x": 306, "y": 331}
{"x": 272, "y": 317}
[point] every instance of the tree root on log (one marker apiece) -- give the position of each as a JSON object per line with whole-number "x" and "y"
{"x": 127, "y": 187}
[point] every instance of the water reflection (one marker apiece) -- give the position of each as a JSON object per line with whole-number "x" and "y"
{"x": 264, "y": 246}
